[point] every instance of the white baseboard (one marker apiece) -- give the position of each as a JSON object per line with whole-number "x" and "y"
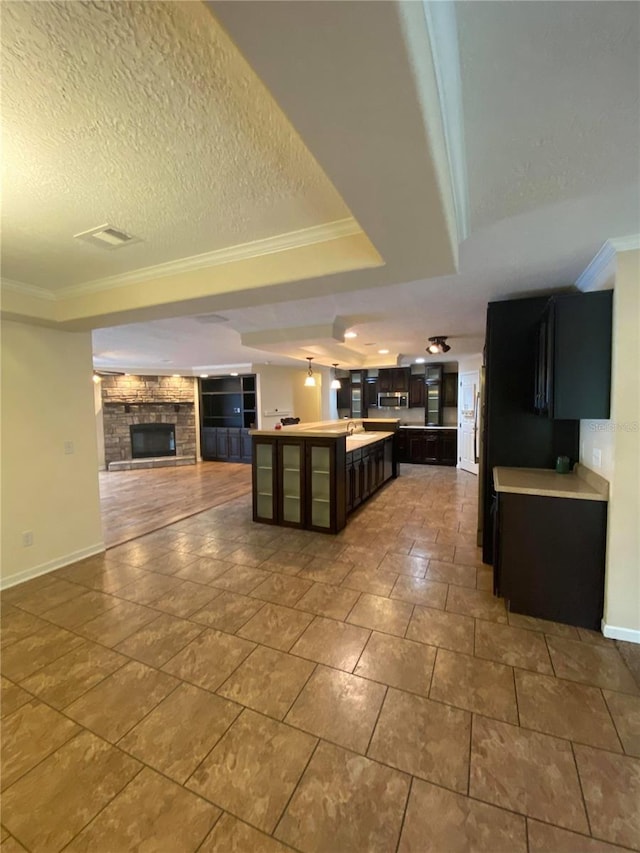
{"x": 51, "y": 566}
{"x": 629, "y": 635}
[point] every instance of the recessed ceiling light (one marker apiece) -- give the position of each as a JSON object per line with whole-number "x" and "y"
{"x": 233, "y": 374}
{"x": 204, "y": 376}
{"x": 176, "y": 375}
{"x": 383, "y": 352}
{"x": 351, "y": 334}
{"x": 420, "y": 360}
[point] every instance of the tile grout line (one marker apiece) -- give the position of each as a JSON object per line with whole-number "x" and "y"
{"x": 611, "y": 717}
{"x": 404, "y": 812}
{"x": 272, "y": 834}
{"x": 582, "y": 796}
{"x": 106, "y": 805}
{"x": 211, "y": 829}
{"x": 184, "y": 784}
{"x": 471, "y": 724}
{"x": 297, "y": 696}
{"x": 377, "y": 720}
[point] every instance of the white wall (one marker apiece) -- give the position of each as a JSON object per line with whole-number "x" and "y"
{"x": 307, "y": 402}
{"x": 47, "y": 400}
{"x": 283, "y": 388}
{"x": 470, "y": 363}
{"x": 598, "y": 435}
{"x": 622, "y": 444}
{"x": 97, "y": 405}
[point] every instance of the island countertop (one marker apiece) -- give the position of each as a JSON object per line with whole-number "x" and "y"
{"x": 580, "y": 484}
{"x": 320, "y": 429}
{"x": 362, "y": 439}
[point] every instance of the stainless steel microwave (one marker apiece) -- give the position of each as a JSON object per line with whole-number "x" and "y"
{"x": 393, "y": 400}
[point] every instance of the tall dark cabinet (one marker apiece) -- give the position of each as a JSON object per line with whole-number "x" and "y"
{"x": 514, "y": 435}
{"x": 227, "y": 412}
{"x": 573, "y": 360}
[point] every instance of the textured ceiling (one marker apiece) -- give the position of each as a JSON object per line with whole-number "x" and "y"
{"x": 145, "y": 116}
{"x": 552, "y": 120}
{"x": 551, "y": 100}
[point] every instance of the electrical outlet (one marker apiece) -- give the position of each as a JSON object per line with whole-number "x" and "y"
{"x": 27, "y": 539}
{"x": 597, "y": 457}
{"x": 68, "y": 447}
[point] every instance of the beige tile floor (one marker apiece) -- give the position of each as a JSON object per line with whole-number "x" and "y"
{"x": 224, "y": 686}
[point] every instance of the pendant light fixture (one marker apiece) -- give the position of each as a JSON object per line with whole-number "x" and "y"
{"x": 438, "y": 345}
{"x": 335, "y": 382}
{"x": 310, "y": 381}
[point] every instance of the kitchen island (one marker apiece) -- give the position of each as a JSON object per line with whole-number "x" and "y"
{"x": 311, "y": 476}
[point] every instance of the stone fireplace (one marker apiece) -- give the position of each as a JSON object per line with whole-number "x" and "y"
{"x": 148, "y": 421}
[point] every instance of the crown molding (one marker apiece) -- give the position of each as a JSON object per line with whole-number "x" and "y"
{"x": 11, "y": 286}
{"x": 244, "y": 251}
{"x": 443, "y": 36}
{"x": 626, "y": 244}
{"x": 599, "y": 273}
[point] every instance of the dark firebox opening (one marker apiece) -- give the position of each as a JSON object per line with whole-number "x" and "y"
{"x": 152, "y": 440}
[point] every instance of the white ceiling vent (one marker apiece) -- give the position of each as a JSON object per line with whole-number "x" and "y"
{"x": 107, "y": 237}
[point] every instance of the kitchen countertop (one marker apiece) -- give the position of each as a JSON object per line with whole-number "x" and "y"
{"x": 323, "y": 429}
{"x": 362, "y": 439}
{"x": 418, "y": 426}
{"x": 581, "y": 484}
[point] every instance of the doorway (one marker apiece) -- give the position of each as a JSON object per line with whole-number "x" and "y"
{"x": 468, "y": 421}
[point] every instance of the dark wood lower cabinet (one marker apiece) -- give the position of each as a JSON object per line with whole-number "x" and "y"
{"x": 300, "y": 482}
{"x": 428, "y": 446}
{"x": 313, "y": 483}
{"x": 449, "y": 447}
{"x": 549, "y": 557}
{"x": 225, "y": 444}
{"x": 432, "y": 444}
{"x": 367, "y": 470}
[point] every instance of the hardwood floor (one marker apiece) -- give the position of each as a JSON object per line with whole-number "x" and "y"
{"x": 136, "y": 502}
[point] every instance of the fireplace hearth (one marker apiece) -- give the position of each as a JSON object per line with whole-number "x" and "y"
{"x": 152, "y": 440}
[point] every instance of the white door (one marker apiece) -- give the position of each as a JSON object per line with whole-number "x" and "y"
{"x": 468, "y": 420}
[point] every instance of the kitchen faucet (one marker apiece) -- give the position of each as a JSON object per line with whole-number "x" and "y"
{"x": 351, "y": 427}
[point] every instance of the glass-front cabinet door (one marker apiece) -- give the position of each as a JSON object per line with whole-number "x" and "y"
{"x": 265, "y": 480}
{"x": 291, "y": 483}
{"x": 320, "y": 486}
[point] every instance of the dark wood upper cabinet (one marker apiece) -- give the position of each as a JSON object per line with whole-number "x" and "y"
{"x": 370, "y": 394}
{"x": 343, "y": 394}
{"x": 416, "y": 392}
{"x": 450, "y": 390}
{"x": 573, "y": 357}
{"x": 393, "y": 379}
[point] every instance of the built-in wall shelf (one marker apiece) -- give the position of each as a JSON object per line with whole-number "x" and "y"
{"x": 228, "y": 408}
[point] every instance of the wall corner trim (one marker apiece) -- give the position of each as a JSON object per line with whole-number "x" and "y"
{"x": 629, "y": 635}
{"x": 51, "y": 566}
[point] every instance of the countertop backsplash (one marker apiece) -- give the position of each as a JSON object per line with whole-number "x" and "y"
{"x": 415, "y": 417}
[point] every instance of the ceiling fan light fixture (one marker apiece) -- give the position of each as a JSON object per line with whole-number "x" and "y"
{"x": 438, "y": 344}
{"x": 310, "y": 381}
